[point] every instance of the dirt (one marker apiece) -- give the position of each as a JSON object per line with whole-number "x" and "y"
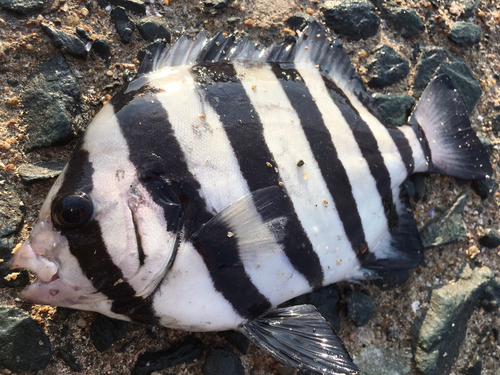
{"x": 262, "y": 21}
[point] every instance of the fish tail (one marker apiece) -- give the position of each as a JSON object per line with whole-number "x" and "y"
{"x": 450, "y": 145}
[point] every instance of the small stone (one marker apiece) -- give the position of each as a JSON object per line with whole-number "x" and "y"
{"x": 136, "y": 6}
{"x": 446, "y": 228}
{"x": 186, "y": 351}
{"x": 405, "y": 21}
{"x": 490, "y": 238}
{"x": 437, "y": 335}
{"x": 216, "y": 4}
{"x": 25, "y": 347}
{"x": 69, "y": 359}
{"x": 66, "y": 42}
{"x": 353, "y": 19}
{"x": 465, "y": 33}
{"x": 392, "y": 279}
{"x": 236, "y": 339}
{"x": 101, "y": 48}
{"x": 24, "y": 7}
{"x": 55, "y": 111}
{"x": 387, "y": 67}
{"x": 435, "y": 61}
{"x": 43, "y": 171}
{"x": 82, "y": 33}
{"x": 484, "y": 188}
{"x": 360, "y": 308}
{"x": 11, "y": 216}
{"x": 396, "y": 108}
{"x": 154, "y": 28}
{"x": 223, "y": 361}
{"x": 123, "y": 23}
{"x": 299, "y": 20}
{"x": 105, "y": 331}
{"x": 491, "y": 297}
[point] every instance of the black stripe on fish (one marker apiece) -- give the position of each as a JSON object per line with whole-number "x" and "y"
{"x": 87, "y": 246}
{"x": 369, "y": 149}
{"x": 221, "y": 88}
{"x": 404, "y": 149}
{"x": 154, "y": 150}
{"x": 324, "y": 152}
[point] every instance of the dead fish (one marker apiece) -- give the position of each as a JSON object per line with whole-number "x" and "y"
{"x": 226, "y": 179}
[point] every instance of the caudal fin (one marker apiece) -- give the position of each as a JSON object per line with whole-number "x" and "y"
{"x": 450, "y": 144}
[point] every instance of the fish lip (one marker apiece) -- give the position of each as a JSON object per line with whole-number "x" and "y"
{"x": 25, "y": 257}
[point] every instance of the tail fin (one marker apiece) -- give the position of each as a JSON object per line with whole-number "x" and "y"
{"x": 451, "y": 145}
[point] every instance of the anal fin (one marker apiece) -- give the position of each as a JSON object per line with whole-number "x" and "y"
{"x": 300, "y": 337}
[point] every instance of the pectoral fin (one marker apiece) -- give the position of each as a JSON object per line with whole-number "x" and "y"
{"x": 300, "y": 337}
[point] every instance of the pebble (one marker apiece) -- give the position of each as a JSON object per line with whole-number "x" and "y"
{"x": 136, "y": 6}
{"x": 436, "y": 61}
{"x": 353, "y": 19}
{"x": 392, "y": 279}
{"x": 82, "y": 33}
{"x": 223, "y": 361}
{"x": 299, "y": 20}
{"x": 154, "y": 28}
{"x": 55, "y": 111}
{"x": 186, "y": 351}
{"x": 403, "y": 20}
{"x": 11, "y": 216}
{"x": 102, "y": 49}
{"x": 437, "y": 334}
{"x": 25, "y": 347}
{"x": 24, "y": 7}
{"x": 360, "y": 308}
{"x": 236, "y": 339}
{"x": 395, "y": 108}
{"x": 105, "y": 331}
{"x": 387, "y": 68}
{"x": 123, "y": 23}
{"x": 216, "y": 4}
{"x": 67, "y": 43}
{"x": 69, "y": 359}
{"x": 484, "y": 188}
{"x": 43, "y": 171}
{"x": 490, "y": 238}
{"x": 465, "y": 33}
{"x": 447, "y": 227}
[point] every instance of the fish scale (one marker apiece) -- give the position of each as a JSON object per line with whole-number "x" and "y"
{"x": 226, "y": 179}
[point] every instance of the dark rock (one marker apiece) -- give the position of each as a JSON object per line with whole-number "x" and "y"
{"x": 185, "y": 351}
{"x": 491, "y": 298}
{"x": 105, "y": 331}
{"x": 360, "y": 308}
{"x": 136, "y": 6}
{"x": 82, "y": 33}
{"x": 154, "y": 28}
{"x": 326, "y": 300}
{"x": 66, "y": 42}
{"x": 405, "y": 21}
{"x": 102, "y": 48}
{"x": 124, "y": 25}
{"x": 223, "y": 361}
{"x": 396, "y": 108}
{"x": 69, "y": 359}
{"x": 55, "y": 111}
{"x": 387, "y": 67}
{"x": 446, "y": 228}
{"x": 484, "y": 188}
{"x": 24, "y": 7}
{"x": 475, "y": 369}
{"x": 436, "y": 61}
{"x": 43, "y": 171}
{"x": 465, "y": 33}
{"x": 389, "y": 280}
{"x": 490, "y": 238}
{"x": 11, "y": 216}
{"x": 236, "y": 339}
{"x": 148, "y": 50}
{"x": 353, "y": 19}
{"x": 299, "y": 20}
{"x": 25, "y": 347}
{"x": 216, "y": 4}
{"x": 436, "y": 337}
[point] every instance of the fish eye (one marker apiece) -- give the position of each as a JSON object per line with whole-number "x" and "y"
{"x": 72, "y": 210}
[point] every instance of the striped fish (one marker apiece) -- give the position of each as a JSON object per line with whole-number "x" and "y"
{"x": 226, "y": 179}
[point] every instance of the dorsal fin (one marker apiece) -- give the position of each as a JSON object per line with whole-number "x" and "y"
{"x": 315, "y": 45}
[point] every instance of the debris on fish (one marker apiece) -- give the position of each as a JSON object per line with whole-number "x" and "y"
{"x": 226, "y": 179}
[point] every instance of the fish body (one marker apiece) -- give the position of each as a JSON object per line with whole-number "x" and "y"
{"x": 226, "y": 179}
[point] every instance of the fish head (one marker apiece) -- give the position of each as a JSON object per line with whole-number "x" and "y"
{"x": 106, "y": 233}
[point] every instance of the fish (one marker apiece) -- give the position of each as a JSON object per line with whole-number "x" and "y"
{"x": 227, "y": 178}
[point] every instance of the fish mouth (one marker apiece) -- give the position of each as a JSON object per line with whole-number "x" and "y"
{"x": 25, "y": 257}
